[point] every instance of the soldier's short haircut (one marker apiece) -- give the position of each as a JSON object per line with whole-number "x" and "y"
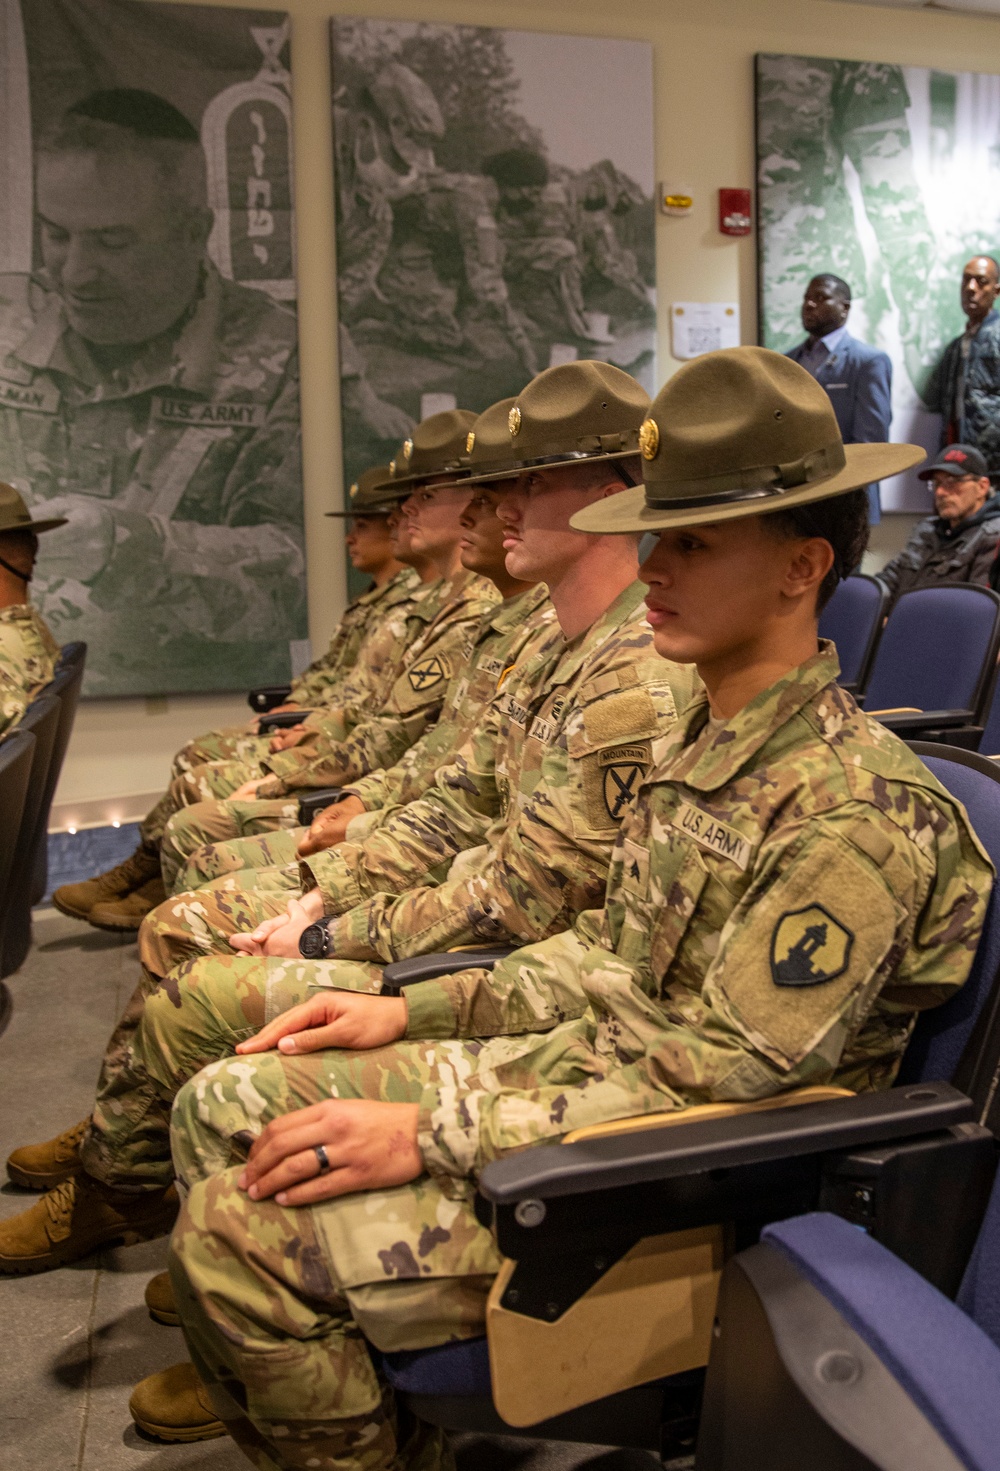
{"x": 842, "y": 521}
{"x": 590, "y": 474}
{"x": 840, "y": 286}
{"x": 127, "y": 119}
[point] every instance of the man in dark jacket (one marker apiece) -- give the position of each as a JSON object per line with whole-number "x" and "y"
{"x": 959, "y": 543}
{"x": 965, "y": 386}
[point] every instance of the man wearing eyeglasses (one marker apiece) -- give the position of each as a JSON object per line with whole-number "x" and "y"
{"x": 959, "y": 542}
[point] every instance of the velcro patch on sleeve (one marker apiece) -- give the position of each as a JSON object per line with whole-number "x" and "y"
{"x": 630, "y": 713}
{"x": 425, "y": 681}
{"x": 806, "y": 949}
{"x": 718, "y": 837}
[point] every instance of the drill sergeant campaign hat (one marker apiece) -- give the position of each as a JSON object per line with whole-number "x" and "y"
{"x": 436, "y": 447}
{"x": 367, "y": 497}
{"x": 15, "y": 516}
{"x": 577, "y": 411}
{"x": 739, "y": 433}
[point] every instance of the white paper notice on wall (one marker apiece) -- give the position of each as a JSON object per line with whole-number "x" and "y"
{"x": 698, "y": 327}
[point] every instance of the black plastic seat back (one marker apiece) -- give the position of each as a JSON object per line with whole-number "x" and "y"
{"x": 42, "y": 720}
{"x": 66, "y": 685}
{"x": 16, "y": 751}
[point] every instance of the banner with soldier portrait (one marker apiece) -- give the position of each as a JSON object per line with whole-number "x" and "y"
{"x": 148, "y": 338}
{"x": 494, "y": 216}
{"x": 889, "y": 177}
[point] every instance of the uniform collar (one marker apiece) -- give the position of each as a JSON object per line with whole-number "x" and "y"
{"x": 706, "y": 768}
{"x": 183, "y": 360}
{"x": 515, "y": 611}
{"x": 579, "y": 651}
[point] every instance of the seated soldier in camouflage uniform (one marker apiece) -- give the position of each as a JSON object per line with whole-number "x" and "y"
{"x": 382, "y": 712}
{"x": 599, "y": 702}
{"x": 791, "y": 886}
{"x": 28, "y": 652}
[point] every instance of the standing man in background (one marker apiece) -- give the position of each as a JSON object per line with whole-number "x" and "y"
{"x": 858, "y": 378}
{"x": 965, "y": 386}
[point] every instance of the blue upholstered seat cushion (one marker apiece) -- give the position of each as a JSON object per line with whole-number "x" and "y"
{"x": 945, "y": 1363}
{"x": 452, "y": 1368}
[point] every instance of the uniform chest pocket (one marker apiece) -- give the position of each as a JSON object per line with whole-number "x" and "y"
{"x": 675, "y": 896}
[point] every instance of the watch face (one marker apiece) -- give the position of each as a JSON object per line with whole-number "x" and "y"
{"x": 313, "y": 941}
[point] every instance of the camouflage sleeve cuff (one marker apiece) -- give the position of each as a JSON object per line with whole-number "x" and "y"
{"x": 429, "y": 1011}
{"x": 330, "y": 874}
{"x": 350, "y": 938}
{"x": 290, "y": 762}
{"x": 370, "y": 790}
{"x": 270, "y": 788}
{"x": 448, "y": 1132}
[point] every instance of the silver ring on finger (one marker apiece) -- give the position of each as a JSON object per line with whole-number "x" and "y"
{"x": 324, "y": 1160}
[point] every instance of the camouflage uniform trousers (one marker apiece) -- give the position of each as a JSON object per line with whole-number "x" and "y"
{"x": 212, "y": 780}
{"x": 168, "y": 1032}
{"x": 199, "y": 923}
{"x": 274, "y": 1301}
{"x": 250, "y": 857}
{"x": 199, "y": 828}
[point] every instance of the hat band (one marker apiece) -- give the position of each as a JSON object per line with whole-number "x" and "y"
{"x": 590, "y": 447}
{"x": 756, "y": 483}
{"x": 415, "y": 471}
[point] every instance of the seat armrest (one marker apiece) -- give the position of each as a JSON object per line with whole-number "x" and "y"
{"x": 400, "y": 973}
{"x": 267, "y": 696}
{"x": 922, "y": 719}
{"x": 281, "y": 720}
{"x": 646, "y": 1156}
{"x": 316, "y": 801}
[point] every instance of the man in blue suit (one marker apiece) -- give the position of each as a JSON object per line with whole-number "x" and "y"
{"x": 857, "y": 377}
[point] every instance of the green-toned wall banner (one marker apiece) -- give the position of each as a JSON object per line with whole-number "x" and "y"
{"x": 888, "y": 176}
{"x": 148, "y": 338}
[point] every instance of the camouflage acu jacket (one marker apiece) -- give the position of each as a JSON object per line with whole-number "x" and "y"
{"x": 319, "y": 683}
{"x": 544, "y": 782}
{"x": 790, "y": 888}
{"x": 28, "y": 655}
{"x": 507, "y": 635}
{"x": 350, "y": 741}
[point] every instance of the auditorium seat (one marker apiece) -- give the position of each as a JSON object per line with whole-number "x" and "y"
{"x": 16, "y": 752}
{"x": 65, "y": 685}
{"x": 934, "y": 668}
{"x": 852, "y": 619}
{"x": 42, "y": 719}
{"x": 587, "y": 1228}
{"x": 832, "y": 1353}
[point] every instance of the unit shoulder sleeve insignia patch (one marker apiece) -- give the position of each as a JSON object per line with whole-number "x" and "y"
{"x": 427, "y": 673}
{"x": 808, "y": 947}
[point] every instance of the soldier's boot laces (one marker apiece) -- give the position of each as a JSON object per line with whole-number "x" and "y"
{"x": 77, "y": 900}
{"x": 160, "y": 1300}
{"x": 41, "y": 1166}
{"x": 174, "y": 1405}
{"x": 127, "y": 914}
{"x": 78, "y": 1217}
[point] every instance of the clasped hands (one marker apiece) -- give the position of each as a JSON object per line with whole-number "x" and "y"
{"x": 366, "y": 1144}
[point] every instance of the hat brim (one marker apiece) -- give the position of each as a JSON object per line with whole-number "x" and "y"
{"x": 511, "y": 472}
{"x": 38, "y": 526}
{"x": 628, "y": 512}
{"x": 380, "y": 510}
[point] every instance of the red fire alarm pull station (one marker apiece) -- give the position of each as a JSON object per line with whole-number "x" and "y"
{"x": 734, "y": 211}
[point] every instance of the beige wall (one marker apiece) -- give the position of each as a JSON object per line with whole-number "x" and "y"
{"x": 703, "y": 60}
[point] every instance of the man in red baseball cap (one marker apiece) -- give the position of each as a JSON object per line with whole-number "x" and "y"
{"x": 959, "y": 542}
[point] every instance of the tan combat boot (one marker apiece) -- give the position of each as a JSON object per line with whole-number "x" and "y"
{"x": 128, "y": 913}
{"x": 174, "y": 1405}
{"x": 77, "y": 900}
{"x": 78, "y": 1217}
{"x": 40, "y": 1166}
{"x": 160, "y": 1300}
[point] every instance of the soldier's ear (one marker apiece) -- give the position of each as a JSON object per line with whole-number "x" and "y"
{"x": 200, "y": 226}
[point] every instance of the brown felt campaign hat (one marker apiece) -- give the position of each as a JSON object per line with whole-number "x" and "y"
{"x": 739, "y": 433}
{"x": 367, "y": 496}
{"x": 15, "y": 516}
{"x": 436, "y": 447}
{"x": 577, "y": 411}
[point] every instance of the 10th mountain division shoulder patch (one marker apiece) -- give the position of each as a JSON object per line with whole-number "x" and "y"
{"x": 426, "y": 673}
{"x": 808, "y": 947}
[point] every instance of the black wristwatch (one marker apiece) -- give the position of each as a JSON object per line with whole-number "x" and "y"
{"x": 314, "y": 941}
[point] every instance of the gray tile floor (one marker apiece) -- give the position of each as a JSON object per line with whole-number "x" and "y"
{"x": 74, "y": 1342}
